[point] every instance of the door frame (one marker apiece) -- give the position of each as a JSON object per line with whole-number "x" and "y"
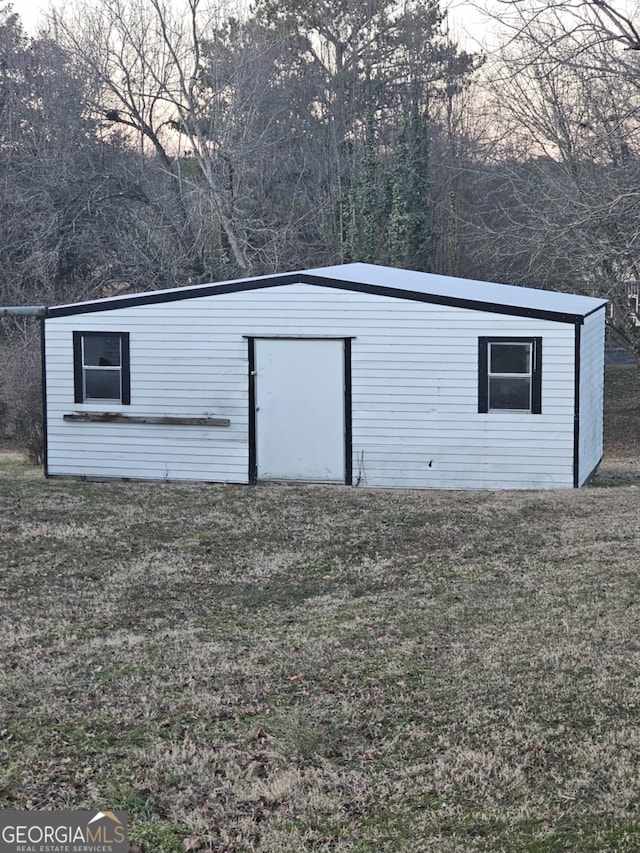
{"x": 348, "y": 433}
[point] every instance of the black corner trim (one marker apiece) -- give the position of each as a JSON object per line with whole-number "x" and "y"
{"x": 77, "y": 368}
{"x": 576, "y": 408}
{"x": 125, "y": 369}
{"x": 251, "y": 367}
{"x": 483, "y": 378}
{"x": 536, "y": 379}
{"x": 198, "y": 291}
{"x": 43, "y": 368}
{"x": 348, "y": 429}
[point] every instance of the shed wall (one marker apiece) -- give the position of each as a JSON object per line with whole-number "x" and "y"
{"x": 590, "y": 441}
{"x": 414, "y": 390}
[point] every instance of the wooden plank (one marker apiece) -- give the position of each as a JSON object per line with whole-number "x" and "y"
{"x": 116, "y": 418}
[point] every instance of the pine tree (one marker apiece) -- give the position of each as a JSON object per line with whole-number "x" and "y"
{"x": 419, "y": 204}
{"x": 410, "y": 229}
{"x": 369, "y": 192}
{"x": 399, "y": 214}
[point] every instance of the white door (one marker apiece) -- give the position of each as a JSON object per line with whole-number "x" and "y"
{"x": 299, "y": 394}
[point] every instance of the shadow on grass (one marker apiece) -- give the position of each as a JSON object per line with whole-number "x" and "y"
{"x": 617, "y": 471}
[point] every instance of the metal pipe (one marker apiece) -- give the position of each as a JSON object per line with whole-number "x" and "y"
{"x": 23, "y": 311}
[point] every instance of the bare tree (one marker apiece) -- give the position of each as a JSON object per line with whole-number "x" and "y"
{"x": 47, "y": 165}
{"x": 560, "y": 204}
{"x": 172, "y": 78}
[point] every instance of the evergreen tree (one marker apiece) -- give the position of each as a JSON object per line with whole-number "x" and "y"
{"x": 410, "y": 229}
{"x": 398, "y": 223}
{"x": 419, "y": 203}
{"x": 369, "y": 192}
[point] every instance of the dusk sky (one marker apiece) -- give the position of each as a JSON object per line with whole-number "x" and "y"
{"x": 469, "y": 26}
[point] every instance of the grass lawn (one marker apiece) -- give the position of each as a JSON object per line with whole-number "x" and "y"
{"x": 294, "y": 669}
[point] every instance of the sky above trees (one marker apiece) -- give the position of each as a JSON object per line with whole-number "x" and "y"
{"x": 470, "y": 25}
{"x": 29, "y": 11}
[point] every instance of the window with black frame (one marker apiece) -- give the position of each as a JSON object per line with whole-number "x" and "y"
{"x": 509, "y": 375}
{"x": 101, "y": 367}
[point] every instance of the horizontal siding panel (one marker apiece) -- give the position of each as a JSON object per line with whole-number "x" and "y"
{"x": 146, "y": 437}
{"x": 179, "y": 475}
{"x": 412, "y": 334}
{"x": 144, "y": 457}
{"x": 459, "y": 428}
{"x": 532, "y": 425}
{"x": 112, "y": 458}
{"x": 178, "y": 363}
{"x": 470, "y": 480}
{"x": 184, "y": 390}
{"x": 220, "y": 470}
{"x": 374, "y": 401}
{"x": 163, "y": 410}
{"x": 213, "y": 406}
{"x": 144, "y": 433}
{"x": 461, "y": 471}
{"x": 189, "y": 383}
{"x": 444, "y": 348}
{"x": 506, "y": 469}
{"x": 535, "y": 427}
{"x": 452, "y": 451}
{"x": 469, "y": 484}
{"x": 370, "y": 405}
{"x": 402, "y": 380}
{"x": 450, "y": 385}
{"x": 428, "y": 353}
{"x": 490, "y": 452}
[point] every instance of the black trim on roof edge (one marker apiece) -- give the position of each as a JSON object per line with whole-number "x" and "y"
{"x": 199, "y": 291}
{"x": 594, "y": 310}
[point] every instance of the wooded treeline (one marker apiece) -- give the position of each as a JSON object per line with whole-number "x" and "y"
{"x": 147, "y": 145}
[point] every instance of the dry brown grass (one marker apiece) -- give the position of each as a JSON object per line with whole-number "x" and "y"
{"x": 295, "y": 669}
{"x": 622, "y": 404}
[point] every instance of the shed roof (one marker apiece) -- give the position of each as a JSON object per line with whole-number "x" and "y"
{"x": 385, "y": 281}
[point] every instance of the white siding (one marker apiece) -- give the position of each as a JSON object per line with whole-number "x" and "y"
{"x": 590, "y": 440}
{"x": 414, "y": 390}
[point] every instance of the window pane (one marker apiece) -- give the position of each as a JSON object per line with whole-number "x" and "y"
{"x": 510, "y": 358}
{"x": 510, "y": 392}
{"x": 102, "y": 384}
{"x": 102, "y": 350}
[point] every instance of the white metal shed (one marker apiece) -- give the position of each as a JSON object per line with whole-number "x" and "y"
{"x": 355, "y": 374}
